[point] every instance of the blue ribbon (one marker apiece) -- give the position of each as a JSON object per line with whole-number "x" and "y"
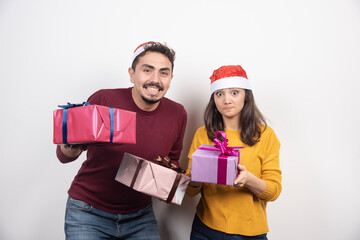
{"x": 111, "y": 110}
{"x": 64, "y": 120}
{"x": 70, "y": 105}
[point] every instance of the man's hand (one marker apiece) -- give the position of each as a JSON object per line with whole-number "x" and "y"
{"x": 73, "y": 151}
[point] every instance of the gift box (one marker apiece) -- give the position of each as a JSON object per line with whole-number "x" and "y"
{"x": 215, "y": 164}
{"x": 85, "y": 123}
{"x": 153, "y": 179}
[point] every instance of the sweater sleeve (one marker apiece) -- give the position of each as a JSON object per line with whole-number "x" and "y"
{"x": 191, "y": 191}
{"x": 196, "y": 142}
{"x": 177, "y": 147}
{"x": 271, "y": 172}
{"x": 62, "y": 157}
{"x": 95, "y": 98}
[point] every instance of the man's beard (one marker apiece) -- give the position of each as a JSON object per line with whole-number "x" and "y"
{"x": 150, "y": 101}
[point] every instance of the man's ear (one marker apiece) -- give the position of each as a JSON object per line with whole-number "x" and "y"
{"x": 131, "y": 74}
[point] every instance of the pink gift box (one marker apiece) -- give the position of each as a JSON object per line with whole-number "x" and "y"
{"x": 94, "y": 123}
{"x": 209, "y": 165}
{"x": 152, "y": 179}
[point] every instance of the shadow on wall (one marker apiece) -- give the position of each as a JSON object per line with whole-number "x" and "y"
{"x": 195, "y": 120}
{"x": 175, "y": 221}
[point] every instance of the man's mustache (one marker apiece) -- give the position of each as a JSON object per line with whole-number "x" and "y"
{"x": 154, "y": 85}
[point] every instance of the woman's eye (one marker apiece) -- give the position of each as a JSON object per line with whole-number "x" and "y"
{"x": 219, "y": 94}
{"x": 234, "y": 93}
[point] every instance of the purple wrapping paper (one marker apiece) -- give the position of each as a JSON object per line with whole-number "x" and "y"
{"x": 211, "y": 166}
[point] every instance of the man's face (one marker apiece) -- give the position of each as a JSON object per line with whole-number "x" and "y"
{"x": 151, "y": 78}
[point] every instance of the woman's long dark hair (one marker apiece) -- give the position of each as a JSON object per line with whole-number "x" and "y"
{"x": 250, "y": 120}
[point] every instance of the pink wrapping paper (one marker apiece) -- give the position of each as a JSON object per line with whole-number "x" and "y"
{"x": 205, "y": 166}
{"x": 152, "y": 179}
{"x": 89, "y": 124}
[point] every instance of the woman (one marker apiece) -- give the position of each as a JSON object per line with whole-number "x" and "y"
{"x": 238, "y": 211}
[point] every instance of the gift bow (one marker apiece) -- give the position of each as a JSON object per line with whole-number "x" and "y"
{"x": 70, "y": 105}
{"x": 223, "y": 146}
{"x": 166, "y": 162}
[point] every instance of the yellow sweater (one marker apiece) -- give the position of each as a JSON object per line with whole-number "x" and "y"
{"x": 239, "y": 211}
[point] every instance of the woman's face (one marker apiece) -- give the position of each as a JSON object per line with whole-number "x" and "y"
{"x": 230, "y": 102}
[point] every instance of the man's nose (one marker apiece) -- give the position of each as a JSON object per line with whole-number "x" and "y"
{"x": 156, "y": 77}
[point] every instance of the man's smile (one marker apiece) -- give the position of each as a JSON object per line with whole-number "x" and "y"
{"x": 153, "y": 88}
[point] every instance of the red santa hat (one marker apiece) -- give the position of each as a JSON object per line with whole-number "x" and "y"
{"x": 140, "y": 49}
{"x": 231, "y": 76}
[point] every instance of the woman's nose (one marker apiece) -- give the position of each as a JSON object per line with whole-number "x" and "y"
{"x": 227, "y": 99}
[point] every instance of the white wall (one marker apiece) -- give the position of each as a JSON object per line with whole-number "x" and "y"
{"x": 302, "y": 57}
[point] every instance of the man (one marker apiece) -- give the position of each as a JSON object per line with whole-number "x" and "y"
{"x": 98, "y": 206}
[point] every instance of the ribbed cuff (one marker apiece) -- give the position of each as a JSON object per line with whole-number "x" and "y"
{"x": 269, "y": 192}
{"x": 62, "y": 157}
{"x": 192, "y": 191}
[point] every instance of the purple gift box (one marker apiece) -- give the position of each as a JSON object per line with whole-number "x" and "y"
{"x": 212, "y": 166}
{"x": 215, "y": 164}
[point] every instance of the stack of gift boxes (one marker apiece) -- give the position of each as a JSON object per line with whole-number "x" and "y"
{"x": 91, "y": 124}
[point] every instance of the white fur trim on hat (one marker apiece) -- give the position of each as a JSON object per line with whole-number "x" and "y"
{"x": 230, "y": 82}
{"x": 138, "y": 52}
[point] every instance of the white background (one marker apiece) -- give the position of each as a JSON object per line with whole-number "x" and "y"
{"x": 302, "y": 58}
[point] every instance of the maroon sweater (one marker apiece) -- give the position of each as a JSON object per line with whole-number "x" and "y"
{"x": 159, "y": 132}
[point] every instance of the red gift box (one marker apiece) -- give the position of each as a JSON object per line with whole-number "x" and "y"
{"x": 93, "y": 123}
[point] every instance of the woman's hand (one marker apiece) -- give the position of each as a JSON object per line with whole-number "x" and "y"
{"x": 249, "y": 180}
{"x": 195, "y": 184}
{"x": 242, "y": 178}
{"x": 192, "y": 183}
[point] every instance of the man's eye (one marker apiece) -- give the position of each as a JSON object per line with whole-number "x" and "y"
{"x": 146, "y": 70}
{"x": 164, "y": 74}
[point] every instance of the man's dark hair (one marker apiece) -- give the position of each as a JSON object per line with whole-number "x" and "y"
{"x": 156, "y": 47}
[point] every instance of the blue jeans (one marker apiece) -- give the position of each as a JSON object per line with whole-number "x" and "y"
{"x": 200, "y": 231}
{"x": 84, "y": 222}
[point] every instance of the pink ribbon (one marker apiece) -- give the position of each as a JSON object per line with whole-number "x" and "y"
{"x": 222, "y": 146}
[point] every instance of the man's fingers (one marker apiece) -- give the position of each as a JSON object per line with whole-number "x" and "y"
{"x": 82, "y": 147}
